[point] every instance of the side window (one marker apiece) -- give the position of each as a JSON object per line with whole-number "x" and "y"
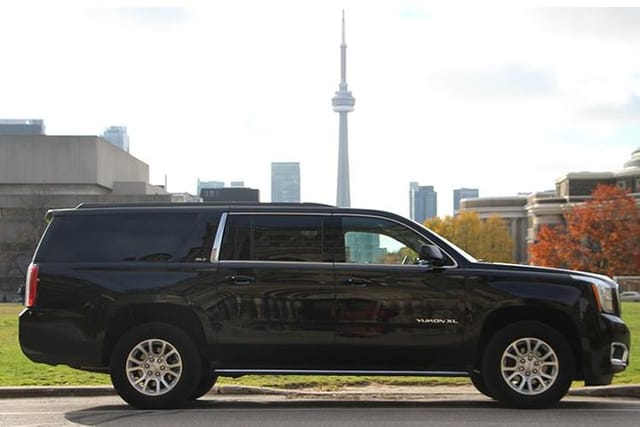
{"x": 170, "y": 237}
{"x": 273, "y": 238}
{"x": 379, "y": 241}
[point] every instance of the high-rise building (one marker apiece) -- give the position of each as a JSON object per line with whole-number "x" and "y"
{"x": 463, "y": 193}
{"x": 117, "y": 135}
{"x": 21, "y": 127}
{"x": 423, "y": 202}
{"x": 343, "y": 103}
{"x": 285, "y": 182}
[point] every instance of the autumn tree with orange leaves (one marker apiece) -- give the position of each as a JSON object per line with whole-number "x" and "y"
{"x": 601, "y": 235}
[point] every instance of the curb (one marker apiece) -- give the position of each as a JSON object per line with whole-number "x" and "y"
{"x": 57, "y": 391}
{"x": 632, "y": 391}
{"x": 607, "y": 391}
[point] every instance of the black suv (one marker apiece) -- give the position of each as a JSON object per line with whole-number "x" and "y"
{"x": 166, "y": 298}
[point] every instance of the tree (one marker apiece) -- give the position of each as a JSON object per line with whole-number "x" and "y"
{"x": 496, "y": 243}
{"x": 601, "y": 235}
{"x": 488, "y": 240}
{"x": 27, "y": 219}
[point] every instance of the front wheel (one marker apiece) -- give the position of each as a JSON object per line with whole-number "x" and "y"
{"x": 478, "y": 382}
{"x": 206, "y": 383}
{"x": 528, "y": 365}
{"x": 155, "y": 366}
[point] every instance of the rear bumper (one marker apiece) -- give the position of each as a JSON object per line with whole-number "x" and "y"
{"x": 46, "y": 337}
{"x": 609, "y": 352}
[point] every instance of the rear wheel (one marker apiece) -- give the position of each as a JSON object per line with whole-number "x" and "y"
{"x": 155, "y": 366}
{"x": 528, "y": 365}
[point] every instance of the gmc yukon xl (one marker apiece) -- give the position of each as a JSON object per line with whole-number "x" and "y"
{"x": 167, "y": 298}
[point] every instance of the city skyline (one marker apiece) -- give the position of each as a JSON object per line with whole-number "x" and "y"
{"x": 443, "y": 96}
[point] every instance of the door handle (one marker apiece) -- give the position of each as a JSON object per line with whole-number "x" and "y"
{"x": 240, "y": 279}
{"x": 357, "y": 282}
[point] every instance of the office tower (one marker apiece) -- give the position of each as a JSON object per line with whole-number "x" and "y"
{"x": 117, "y": 135}
{"x": 463, "y": 193}
{"x": 208, "y": 184}
{"x": 423, "y": 202}
{"x": 285, "y": 182}
{"x": 21, "y": 127}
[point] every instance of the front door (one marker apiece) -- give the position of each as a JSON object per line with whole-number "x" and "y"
{"x": 393, "y": 311}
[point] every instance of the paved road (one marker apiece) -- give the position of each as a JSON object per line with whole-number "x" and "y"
{"x": 265, "y": 411}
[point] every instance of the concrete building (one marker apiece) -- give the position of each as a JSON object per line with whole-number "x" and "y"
{"x": 117, "y": 135}
{"x": 513, "y": 211}
{"x": 285, "y": 182}
{"x": 463, "y": 193}
{"x": 39, "y": 172}
{"x": 423, "y": 202}
{"x": 343, "y": 103}
{"x": 21, "y": 127}
{"x": 576, "y": 187}
{"x": 526, "y": 214}
{"x": 230, "y": 194}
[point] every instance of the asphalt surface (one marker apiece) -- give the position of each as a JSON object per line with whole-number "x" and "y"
{"x": 374, "y": 391}
{"x": 446, "y": 406}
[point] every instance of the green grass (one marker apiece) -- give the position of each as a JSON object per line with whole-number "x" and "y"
{"x": 631, "y": 316}
{"x": 17, "y": 370}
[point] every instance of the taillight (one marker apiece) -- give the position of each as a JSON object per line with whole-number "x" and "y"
{"x": 31, "y": 288}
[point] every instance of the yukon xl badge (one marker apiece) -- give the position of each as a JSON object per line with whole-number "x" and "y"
{"x": 437, "y": 321}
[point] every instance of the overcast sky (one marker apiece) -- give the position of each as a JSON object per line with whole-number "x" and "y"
{"x": 501, "y": 99}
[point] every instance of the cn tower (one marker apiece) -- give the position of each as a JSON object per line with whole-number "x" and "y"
{"x": 343, "y": 103}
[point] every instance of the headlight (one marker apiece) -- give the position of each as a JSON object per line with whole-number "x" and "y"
{"x": 604, "y": 293}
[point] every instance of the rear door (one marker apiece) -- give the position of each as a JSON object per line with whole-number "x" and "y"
{"x": 275, "y": 291}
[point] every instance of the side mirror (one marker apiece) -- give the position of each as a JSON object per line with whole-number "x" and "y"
{"x": 432, "y": 254}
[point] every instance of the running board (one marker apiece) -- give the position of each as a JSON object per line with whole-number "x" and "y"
{"x": 237, "y": 372}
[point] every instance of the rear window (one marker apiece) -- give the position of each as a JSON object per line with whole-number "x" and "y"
{"x": 171, "y": 237}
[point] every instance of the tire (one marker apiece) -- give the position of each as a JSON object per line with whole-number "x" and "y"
{"x": 478, "y": 382}
{"x": 172, "y": 364}
{"x": 207, "y": 381}
{"x": 528, "y": 365}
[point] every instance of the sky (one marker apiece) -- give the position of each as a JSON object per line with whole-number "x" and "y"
{"x": 503, "y": 97}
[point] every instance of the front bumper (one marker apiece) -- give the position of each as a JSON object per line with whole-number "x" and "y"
{"x": 608, "y": 352}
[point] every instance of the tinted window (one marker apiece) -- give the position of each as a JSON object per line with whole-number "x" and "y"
{"x": 273, "y": 238}
{"x": 379, "y": 241}
{"x": 128, "y": 237}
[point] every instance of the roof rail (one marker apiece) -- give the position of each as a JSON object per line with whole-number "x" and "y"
{"x": 90, "y": 205}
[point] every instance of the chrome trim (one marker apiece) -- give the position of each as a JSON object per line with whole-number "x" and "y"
{"x": 619, "y": 362}
{"x": 280, "y": 213}
{"x": 217, "y": 242}
{"x": 339, "y": 372}
{"x": 251, "y": 261}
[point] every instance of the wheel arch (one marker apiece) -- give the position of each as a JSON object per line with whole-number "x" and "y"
{"x": 554, "y": 318}
{"x": 180, "y": 316}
